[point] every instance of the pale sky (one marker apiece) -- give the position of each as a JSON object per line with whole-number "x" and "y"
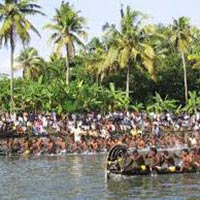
{"x": 98, "y": 12}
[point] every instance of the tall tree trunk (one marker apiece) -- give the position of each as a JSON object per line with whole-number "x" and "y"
{"x": 67, "y": 66}
{"x": 127, "y": 81}
{"x": 12, "y": 47}
{"x": 185, "y": 76}
{"x": 101, "y": 78}
{"x": 97, "y": 79}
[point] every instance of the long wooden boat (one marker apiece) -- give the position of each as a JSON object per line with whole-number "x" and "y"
{"x": 118, "y": 152}
{"x": 164, "y": 171}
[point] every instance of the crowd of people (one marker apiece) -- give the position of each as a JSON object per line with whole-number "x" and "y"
{"x": 49, "y": 133}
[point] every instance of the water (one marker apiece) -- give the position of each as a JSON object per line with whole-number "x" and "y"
{"x": 82, "y": 177}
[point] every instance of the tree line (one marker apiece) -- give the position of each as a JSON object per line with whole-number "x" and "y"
{"x": 133, "y": 65}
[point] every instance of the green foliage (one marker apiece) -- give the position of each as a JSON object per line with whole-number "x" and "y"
{"x": 129, "y": 46}
{"x": 55, "y": 70}
{"x": 162, "y": 105}
{"x": 68, "y": 28}
{"x": 114, "y": 99}
{"x": 193, "y": 103}
{"x": 181, "y": 36}
{"x": 145, "y": 59}
{"x": 78, "y": 97}
{"x": 137, "y": 107}
{"x": 83, "y": 97}
{"x": 4, "y": 94}
{"x": 31, "y": 63}
{"x": 13, "y": 15}
{"x": 33, "y": 95}
{"x": 15, "y": 25}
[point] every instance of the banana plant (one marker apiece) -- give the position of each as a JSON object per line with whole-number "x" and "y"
{"x": 4, "y": 94}
{"x": 160, "y": 105}
{"x": 193, "y": 104}
{"x": 115, "y": 99}
{"x": 138, "y": 107}
{"x": 34, "y": 95}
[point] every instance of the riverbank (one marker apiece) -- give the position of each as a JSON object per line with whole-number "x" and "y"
{"x": 93, "y": 132}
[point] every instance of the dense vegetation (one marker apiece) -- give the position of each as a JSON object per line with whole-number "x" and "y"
{"x": 134, "y": 65}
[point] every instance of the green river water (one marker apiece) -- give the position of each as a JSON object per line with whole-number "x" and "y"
{"x": 82, "y": 177}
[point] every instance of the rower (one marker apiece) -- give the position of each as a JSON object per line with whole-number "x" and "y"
{"x": 194, "y": 159}
{"x": 168, "y": 160}
{"x": 125, "y": 162}
{"x": 186, "y": 160}
{"x": 129, "y": 160}
{"x": 155, "y": 158}
{"x": 198, "y": 155}
{"x": 139, "y": 160}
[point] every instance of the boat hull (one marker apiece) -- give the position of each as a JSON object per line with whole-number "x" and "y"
{"x": 117, "y": 174}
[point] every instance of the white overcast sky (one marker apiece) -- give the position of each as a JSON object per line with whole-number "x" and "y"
{"x": 97, "y": 12}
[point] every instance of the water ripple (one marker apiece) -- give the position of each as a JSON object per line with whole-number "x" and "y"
{"x": 82, "y": 178}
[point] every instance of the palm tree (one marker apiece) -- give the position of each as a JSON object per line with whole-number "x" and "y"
{"x": 129, "y": 45}
{"x": 194, "y": 50}
{"x": 181, "y": 36}
{"x": 95, "y": 59}
{"x": 55, "y": 69}
{"x": 195, "y": 60}
{"x": 13, "y": 16}
{"x": 31, "y": 63}
{"x": 68, "y": 27}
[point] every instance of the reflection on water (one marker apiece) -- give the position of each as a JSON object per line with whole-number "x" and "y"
{"x": 185, "y": 186}
{"x": 82, "y": 177}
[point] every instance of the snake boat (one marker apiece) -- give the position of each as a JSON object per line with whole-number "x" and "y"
{"x": 118, "y": 153}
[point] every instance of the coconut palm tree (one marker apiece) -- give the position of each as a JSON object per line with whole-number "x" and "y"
{"x": 181, "y": 36}
{"x": 14, "y": 24}
{"x": 194, "y": 50}
{"x": 68, "y": 27}
{"x": 129, "y": 46}
{"x": 95, "y": 59}
{"x": 31, "y": 63}
{"x": 55, "y": 69}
